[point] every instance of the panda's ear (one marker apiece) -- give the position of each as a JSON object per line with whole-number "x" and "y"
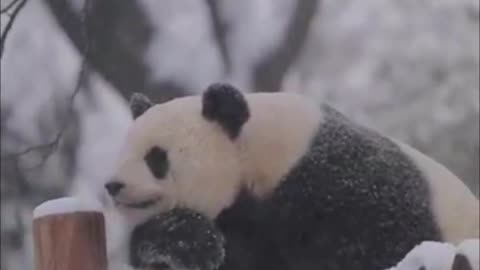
{"x": 139, "y": 103}
{"x": 227, "y": 106}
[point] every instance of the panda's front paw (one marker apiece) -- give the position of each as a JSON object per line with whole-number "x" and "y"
{"x": 178, "y": 239}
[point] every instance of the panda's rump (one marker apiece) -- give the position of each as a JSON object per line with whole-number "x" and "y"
{"x": 455, "y": 207}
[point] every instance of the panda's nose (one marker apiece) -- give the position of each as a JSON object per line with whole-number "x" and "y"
{"x": 114, "y": 188}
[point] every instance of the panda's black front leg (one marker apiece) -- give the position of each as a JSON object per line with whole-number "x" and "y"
{"x": 179, "y": 239}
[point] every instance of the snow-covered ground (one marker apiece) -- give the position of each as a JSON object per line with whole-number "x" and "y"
{"x": 440, "y": 256}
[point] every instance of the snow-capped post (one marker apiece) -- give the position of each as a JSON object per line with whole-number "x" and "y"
{"x": 69, "y": 234}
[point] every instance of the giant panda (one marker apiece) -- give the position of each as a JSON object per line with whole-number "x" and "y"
{"x": 291, "y": 184}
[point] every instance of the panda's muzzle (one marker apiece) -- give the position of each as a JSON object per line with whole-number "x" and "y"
{"x": 114, "y": 189}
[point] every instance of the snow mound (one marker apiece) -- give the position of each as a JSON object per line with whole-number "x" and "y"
{"x": 431, "y": 255}
{"x": 63, "y": 206}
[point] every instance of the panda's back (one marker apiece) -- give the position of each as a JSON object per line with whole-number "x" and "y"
{"x": 353, "y": 201}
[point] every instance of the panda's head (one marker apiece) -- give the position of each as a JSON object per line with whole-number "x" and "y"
{"x": 200, "y": 151}
{"x": 184, "y": 151}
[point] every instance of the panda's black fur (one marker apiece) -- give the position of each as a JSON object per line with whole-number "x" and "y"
{"x": 461, "y": 262}
{"x": 178, "y": 239}
{"x": 354, "y": 201}
{"x": 227, "y": 106}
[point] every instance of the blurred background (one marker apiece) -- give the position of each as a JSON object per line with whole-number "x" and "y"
{"x": 409, "y": 68}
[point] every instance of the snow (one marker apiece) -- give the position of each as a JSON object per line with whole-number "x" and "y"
{"x": 117, "y": 228}
{"x": 256, "y": 27}
{"x": 178, "y": 52}
{"x": 439, "y": 256}
{"x": 409, "y": 68}
{"x": 429, "y": 254}
{"x": 46, "y": 56}
{"x": 63, "y": 206}
{"x": 192, "y": 57}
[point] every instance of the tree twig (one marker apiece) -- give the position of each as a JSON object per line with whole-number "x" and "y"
{"x": 9, "y": 24}
{"x": 51, "y": 146}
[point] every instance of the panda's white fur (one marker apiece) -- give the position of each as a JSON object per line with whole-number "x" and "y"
{"x": 456, "y": 208}
{"x": 206, "y": 167}
{"x": 294, "y": 121}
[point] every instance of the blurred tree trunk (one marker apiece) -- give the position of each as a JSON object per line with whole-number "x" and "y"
{"x": 118, "y": 33}
{"x": 269, "y": 73}
{"x": 220, "y": 30}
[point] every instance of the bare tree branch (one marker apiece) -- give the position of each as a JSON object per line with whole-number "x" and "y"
{"x": 13, "y": 16}
{"x": 269, "y": 73}
{"x": 49, "y": 148}
{"x": 120, "y": 32}
{"x": 220, "y": 30}
{"x": 8, "y": 6}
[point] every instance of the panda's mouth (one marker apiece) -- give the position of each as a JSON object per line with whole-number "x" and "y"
{"x": 139, "y": 205}
{"x": 143, "y": 204}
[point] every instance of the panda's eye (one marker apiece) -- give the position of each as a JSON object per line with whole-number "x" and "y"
{"x": 157, "y": 162}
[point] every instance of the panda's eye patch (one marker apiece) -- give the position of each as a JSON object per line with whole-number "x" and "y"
{"x": 157, "y": 162}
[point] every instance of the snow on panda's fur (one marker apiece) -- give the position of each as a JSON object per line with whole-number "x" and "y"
{"x": 431, "y": 255}
{"x": 291, "y": 184}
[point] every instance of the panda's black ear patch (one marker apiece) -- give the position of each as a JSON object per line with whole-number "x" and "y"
{"x": 227, "y": 106}
{"x": 139, "y": 103}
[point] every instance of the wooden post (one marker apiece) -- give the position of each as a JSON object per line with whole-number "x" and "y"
{"x": 70, "y": 240}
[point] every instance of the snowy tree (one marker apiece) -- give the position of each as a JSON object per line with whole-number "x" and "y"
{"x": 409, "y": 68}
